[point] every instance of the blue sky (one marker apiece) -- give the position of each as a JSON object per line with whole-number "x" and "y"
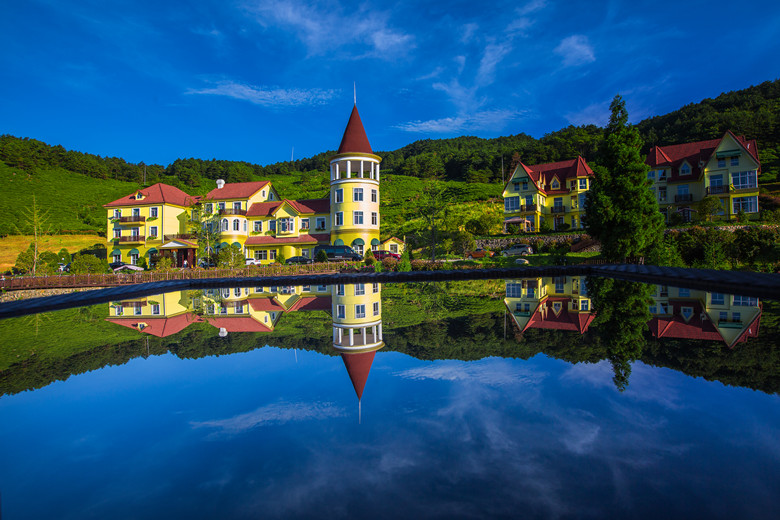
{"x": 251, "y": 79}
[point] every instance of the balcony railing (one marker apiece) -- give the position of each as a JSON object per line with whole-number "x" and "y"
{"x": 135, "y": 218}
{"x": 131, "y": 238}
{"x": 181, "y": 236}
{"x": 232, "y": 211}
{"x": 687, "y": 197}
{"x": 558, "y": 209}
{"x": 715, "y": 190}
{"x": 528, "y": 207}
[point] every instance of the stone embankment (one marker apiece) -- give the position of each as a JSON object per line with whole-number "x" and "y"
{"x": 38, "y": 293}
{"x": 503, "y": 243}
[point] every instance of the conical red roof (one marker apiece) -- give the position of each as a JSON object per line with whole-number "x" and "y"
{"x": 358, "y": 367}
{"x": 355, "y": 139}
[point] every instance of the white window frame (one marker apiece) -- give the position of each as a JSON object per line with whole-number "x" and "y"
{"x": 357, "y": 194}
{"x": 341, "y": 312}
{"x": 152, "y": 231}
{"x": 357, "y": 218}
{"x": 338, "y": 196}
{"x": 360, "y": 310}
{"x": 339, "y": 218}
{"x": 374, "y": 196}
{"x": 258, "y": 226}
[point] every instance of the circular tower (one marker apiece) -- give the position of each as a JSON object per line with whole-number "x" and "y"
{"x": 354, "y": 190}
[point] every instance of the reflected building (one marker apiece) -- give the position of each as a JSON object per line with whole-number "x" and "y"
{"x": 559, "y": 303}
{"x": 356, "y": 312}
{"x": 357, "y": 329}
{"x": 692, "y": 314}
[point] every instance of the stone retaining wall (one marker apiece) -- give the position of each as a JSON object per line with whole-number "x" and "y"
{"x": 38, "y": 293}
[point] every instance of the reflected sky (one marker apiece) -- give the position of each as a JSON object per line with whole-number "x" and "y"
{"x": 277, "y": 433}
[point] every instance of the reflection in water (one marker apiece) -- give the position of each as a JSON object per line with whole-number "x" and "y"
{"x": 204, "y": 420}
{"x": 356, "y": 312}
{"x": 621, "y": 312}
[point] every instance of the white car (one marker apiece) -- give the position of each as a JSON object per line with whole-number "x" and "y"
{"x": 252, "y": 261}
{"x": 518, "y": 250}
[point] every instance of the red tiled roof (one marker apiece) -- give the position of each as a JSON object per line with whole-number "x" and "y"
{"x": 674, "y": 155}
{"x": 160, "y": 327}
{"x": 303, "y": 239}
{"x": 239, "y": 324}
{"x": 263, "y": 209}
{"x": 266, "y": 304}
{"x": 312, "y": 205}
{"x": 574, "y": 321}
{"x": 155, "y": 194}
{"x": 564, "y": 170}
{"x": 358, "y": 367}
{"x": 236, "y": 190}
{"x": 355, "y": 139}
{"x": 312, "y": 303}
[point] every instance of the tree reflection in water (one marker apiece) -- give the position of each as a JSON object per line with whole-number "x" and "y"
{"x": 622, "y": 314}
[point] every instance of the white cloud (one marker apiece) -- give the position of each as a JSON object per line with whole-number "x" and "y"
{"x": 492, "y": 120}
{"x": 277, "y": 413}
{"x": 490, "y": 373}
{"x": 531, "y": 7}
{"x": 268, "y": 96}
{"x": 323, "y": 28}
{"x": 575, "y": 50}
{"x": 492, "y": 56}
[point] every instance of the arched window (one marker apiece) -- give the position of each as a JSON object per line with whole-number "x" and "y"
{"x": 236, "y": 224}
{"x": 224, "y": 224}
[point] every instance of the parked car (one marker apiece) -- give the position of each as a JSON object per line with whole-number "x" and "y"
{"x": 205, "y": 263}
{"x": 64, "y": 268}
{"x": 479, "y": 253}
{"x": 115, "y": 265}
{"x": 518, "y": 250}
{"x": 299, "y": 260}
{"x": 381, "y": 254}
{"x": 338, "y": 253}
{"x": 253, "y": 261}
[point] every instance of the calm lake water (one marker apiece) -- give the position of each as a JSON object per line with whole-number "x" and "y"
{"x": 542, "y": 398}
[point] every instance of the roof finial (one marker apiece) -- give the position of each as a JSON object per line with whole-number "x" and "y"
{"x": 354, "y": 92}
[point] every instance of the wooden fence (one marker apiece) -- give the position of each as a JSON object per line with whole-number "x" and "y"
{"x": 115, "y": 279}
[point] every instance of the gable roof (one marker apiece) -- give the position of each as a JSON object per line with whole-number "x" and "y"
{"x": 236, "y": 190}
{"x": 155, "y": 194}
{"x": 355, "y": 138}
{"x": 160, "y": 327}
{"x": 238, "y": 324}
{"x": 303, "y": 207}
{"x": 564, "y": 170}
{"x": 675, "y": 155}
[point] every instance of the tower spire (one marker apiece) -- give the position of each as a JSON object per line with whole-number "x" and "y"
{"x": 354, "y": 92}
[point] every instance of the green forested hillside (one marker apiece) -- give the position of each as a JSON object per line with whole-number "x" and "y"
{"x": 753, "y": 112}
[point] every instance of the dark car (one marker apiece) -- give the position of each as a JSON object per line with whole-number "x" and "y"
{"x": 338, "y": 253}
{"x": 116, "y": 265}
{"x": 205, "y": 263}
{"x": 299, "y": 260}
{"x": 382, "y": 254}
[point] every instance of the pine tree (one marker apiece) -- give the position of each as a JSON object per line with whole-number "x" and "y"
{"x": 620, "y": 210}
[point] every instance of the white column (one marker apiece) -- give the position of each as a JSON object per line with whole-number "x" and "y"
{"x": 337, "y": 171}
{"x": 361, "y": 168}
{"x": 364, "y": 336}
{"x": 341, "y": 335}
{"x": 349, "y": 169}
{"x": 377, "y": 172}
{"x": 335, "y": 334}
{"x": 374, "y": 330}
{"x": 351, "y": 337}
{"x": 380, "y": 331}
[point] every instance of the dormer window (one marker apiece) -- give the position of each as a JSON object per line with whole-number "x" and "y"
{"x": 685, "y": 169}
{"x": 525, "y": 184}
{"x": 555, "y": 185}
{"x": 583, "y": 184}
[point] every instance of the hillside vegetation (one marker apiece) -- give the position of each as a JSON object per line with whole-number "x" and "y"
{"x": 74, "y": 184}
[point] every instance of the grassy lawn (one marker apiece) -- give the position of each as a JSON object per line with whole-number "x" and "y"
{"x": 12, "y": 245}
{"x": 73, "y": 201}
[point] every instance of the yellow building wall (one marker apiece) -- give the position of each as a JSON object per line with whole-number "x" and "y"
{"x": 170, "y": 220}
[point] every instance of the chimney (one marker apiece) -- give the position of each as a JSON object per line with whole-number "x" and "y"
{"x": 220, "y": 184}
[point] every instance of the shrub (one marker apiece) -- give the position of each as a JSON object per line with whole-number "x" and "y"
{"x": 742, "y": 217}
{"x": 322, "y": 256}
{"x": 369, "y": 257}
{"x": 142, "y": 263}
{"x": 545, "y": 227}
{"x": 163, "y": 264}
{"x": 405, "y": 264}
{"x": 84, "y": 264}
{"x": 280, "y": 258}
{"x": 390, "y": 264}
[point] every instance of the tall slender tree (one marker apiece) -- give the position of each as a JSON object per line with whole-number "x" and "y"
{"x": 620, "y": 210}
